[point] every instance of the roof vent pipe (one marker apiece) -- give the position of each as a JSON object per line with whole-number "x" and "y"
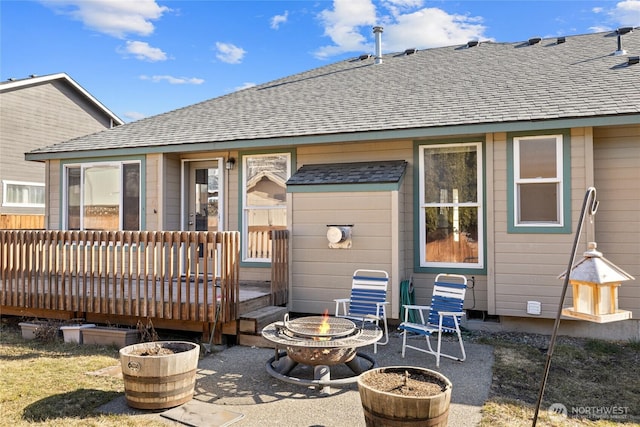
{"x": 378, "y": 32}
{"x": 621, "y": 31}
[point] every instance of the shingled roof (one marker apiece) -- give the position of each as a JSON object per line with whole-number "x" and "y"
{"x": 350, "y": 173}
{"x": 443, "y": 90}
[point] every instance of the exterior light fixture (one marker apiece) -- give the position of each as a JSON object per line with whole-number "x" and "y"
{"x": 595, "y": 282}
{"x": 230, "y": 164}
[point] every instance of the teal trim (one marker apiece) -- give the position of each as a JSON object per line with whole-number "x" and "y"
{"x": 452, "y": 270}
{"x": 240, "y": 168}
{"x": 255, "y": 264}
{"x": 266, "y": 143}
{"x": 566, "y": 185}
{"x": 342, "y": 188}
{"x": 417, "y": 268}
{"x": 143, "y": 182}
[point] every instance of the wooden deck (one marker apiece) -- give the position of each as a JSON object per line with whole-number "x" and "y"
{"x": 122, "y": 277}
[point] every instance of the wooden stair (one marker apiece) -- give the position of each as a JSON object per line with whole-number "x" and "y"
{"x": 251, "y": 324}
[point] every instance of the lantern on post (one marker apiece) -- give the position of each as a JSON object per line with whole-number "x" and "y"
{"x": 595, "y": 281}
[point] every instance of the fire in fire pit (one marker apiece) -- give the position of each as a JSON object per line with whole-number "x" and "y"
{"x": 319, "y": 341}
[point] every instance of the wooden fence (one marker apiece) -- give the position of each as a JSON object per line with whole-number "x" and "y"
{"x": 21, "y": 222}
{"x": 155, "y": 274}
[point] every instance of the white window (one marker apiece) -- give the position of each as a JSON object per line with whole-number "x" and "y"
{"x": 451, "y": 232}
{"x": 537, "y": 180}
{"x": 102, "y": 196}
{"x": 23, "y": 194}
{"x": 264, "y": 202}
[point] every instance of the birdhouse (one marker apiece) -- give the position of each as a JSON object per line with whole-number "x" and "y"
{"x": 595, "y": 282}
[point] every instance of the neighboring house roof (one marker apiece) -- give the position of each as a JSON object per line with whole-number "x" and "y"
{"x": 349, "y": 173}
{"x": 13, "y": 84}
{"x": 435, "y": 92}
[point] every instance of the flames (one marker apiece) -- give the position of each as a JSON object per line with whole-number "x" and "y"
{"x": 324, "y": 327}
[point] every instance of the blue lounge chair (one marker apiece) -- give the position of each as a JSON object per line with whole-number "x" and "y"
{"x": 368, "y": 301}
{"x": 442, "y": 316}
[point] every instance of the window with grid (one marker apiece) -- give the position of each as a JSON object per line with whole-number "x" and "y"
{"x": 450, "y": 195}
{"x": 538, "y": 181}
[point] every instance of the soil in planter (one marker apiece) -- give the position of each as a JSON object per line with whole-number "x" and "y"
{"x": 405, "y": 383}
{"x": 158, "y": 350}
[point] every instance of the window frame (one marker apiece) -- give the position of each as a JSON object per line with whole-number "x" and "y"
{"x": 244, "y": 207}
{"x": 421, "y": 264}
{"x": 64, "y": 218}
{"x": 563, "y": 177}
{"x": 5, "y": 192}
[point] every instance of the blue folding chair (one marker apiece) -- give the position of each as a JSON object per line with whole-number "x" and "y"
{"x": 368, "y": 300}
{"x": 442, "y": 316}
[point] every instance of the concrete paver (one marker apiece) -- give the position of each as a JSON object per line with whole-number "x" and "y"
{"x": 236, "y": 380}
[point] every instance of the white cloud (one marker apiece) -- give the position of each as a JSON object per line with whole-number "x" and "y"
{"x": 229, "y": 53}
{"x": 406, "y": 24}
{"x": 132, "y": 116}
{"x": 246, "y": 85}
{"x": 143, "y": 51}
{"x": 431, "y": 27}
{"x": 342, "y": 25}
{"x": 279, "y": 19}
{"x": 114, "y": 17}
{"x": 173, "y": 80}
{"x": 396, "y": 7}
{"x": 627, "y": 13}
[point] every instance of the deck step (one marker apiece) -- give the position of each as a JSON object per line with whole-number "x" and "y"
{"x": 253, "y": 322}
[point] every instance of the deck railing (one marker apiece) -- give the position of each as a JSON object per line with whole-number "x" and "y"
{"x": 177, "y": 275}
{"x": 279, "y": 267}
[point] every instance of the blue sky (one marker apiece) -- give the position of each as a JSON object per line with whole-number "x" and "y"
{"x": 145, "y": 57}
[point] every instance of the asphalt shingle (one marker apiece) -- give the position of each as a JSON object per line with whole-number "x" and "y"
{"x": 350, "y": 173}
{"x": 492, "y": 83}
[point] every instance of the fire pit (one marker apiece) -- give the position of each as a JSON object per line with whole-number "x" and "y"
{"x": 321, "y": 342}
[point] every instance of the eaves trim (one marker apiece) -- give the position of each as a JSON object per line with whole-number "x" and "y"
{"x": 416, "y": 133}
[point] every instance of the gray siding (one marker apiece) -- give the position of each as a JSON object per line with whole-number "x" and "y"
{"x": 37, "y": 116}
{"x": 321, "y": 274}
{"x": 527, "y": 265}
{"x": 617, "y": 181}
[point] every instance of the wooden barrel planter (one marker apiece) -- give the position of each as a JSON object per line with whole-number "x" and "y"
{"x": 404, "y": 396}
{"x": 160, "y": 374}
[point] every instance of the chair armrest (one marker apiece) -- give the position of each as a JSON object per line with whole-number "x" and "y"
{"x": 421, "y": 311}
{"x": 341, "y": 302}
{"x": 417, "y": 307}
{"x": 451, "y": 313}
